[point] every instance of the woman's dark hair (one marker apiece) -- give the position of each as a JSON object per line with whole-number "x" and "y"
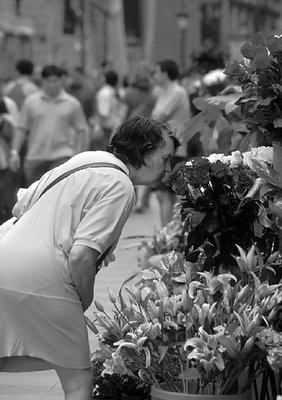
{"x": 51, "y": 70}
{"x": 137, "y": 137}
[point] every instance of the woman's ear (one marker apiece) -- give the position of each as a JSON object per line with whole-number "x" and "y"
{"x": 148, "y": 160}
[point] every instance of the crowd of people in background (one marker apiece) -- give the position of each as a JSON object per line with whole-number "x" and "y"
{"x": 44, "y": 122}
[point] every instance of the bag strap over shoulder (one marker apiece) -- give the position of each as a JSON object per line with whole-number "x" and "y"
{"x": 66, "y": 174}
{"x": 70, "y": 172}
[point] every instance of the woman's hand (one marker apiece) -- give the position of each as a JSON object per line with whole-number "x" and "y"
{"x": 108, "y": 259}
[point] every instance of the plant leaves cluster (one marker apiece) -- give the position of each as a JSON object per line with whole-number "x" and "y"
{"x": 217, "y": 217}
{"x": 260, "y": 77}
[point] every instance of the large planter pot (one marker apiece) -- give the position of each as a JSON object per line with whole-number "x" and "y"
{"x": 132, "y": 397}
{"x": 277, "y": 154}
{"x": 161, "y": 394}
{"x": 277, "y": 166}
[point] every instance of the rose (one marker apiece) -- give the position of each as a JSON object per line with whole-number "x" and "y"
{"x": 197, "y": 171}
{"x": 243, "y": 179}
{"x": 219, "y": 170}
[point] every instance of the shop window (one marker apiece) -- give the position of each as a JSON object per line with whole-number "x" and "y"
{"x": 132, "y": 20}
{"x": 18, "y": 8}
{"x": 69, "y": 18}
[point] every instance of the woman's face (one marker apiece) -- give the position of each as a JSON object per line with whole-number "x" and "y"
{"x": 158, "y": 164}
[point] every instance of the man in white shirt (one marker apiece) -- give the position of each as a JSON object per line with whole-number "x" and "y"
{"x": 54, "y": 124}
{"x": 108, "y": 108}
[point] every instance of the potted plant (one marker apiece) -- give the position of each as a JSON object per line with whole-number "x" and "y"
{"x": 192, "y": 332}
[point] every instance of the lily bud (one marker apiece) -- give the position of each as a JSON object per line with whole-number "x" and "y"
{"x": 99, "y": 306}
{"x": 112, "y": 297}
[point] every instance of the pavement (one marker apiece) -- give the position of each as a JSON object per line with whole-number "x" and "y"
{"x": 45, "y": 385}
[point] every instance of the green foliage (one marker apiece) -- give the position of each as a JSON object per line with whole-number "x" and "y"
{"x": 259, "y": 75}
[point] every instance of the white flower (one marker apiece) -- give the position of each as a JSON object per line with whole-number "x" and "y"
{"x": 247, "y": 159}
{"x": 235, "y": 159}
{"x": 214, "y": 76}
{"x": 265, "y": 154}
{"x": 216, "y": 157}
{"x": 261, "y": 153}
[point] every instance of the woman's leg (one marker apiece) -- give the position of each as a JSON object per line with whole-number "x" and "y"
{"x": 77, "y": 384}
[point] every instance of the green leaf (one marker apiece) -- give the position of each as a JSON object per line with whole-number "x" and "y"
{"x": 258, "y": 39}
{"x": 162, "y": 352}
{"x": 274, "y": 44}
{"x": 277, "y": 123}
{"x": 247, "y": 50}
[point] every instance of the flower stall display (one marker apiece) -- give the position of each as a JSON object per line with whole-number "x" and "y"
{"x": 187, "y": 331}
{"x": 205, "y": 320}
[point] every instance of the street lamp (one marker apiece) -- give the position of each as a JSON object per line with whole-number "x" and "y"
{"x": 182, "y": 23}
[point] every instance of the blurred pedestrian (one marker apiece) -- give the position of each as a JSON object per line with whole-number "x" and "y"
{"x": 139, "y": 97}
{"x": 9, "y": 181}
{"x": 140, "y": 100}
{"x": 172, "y": 105}
{"x": 80, "y": 88}
{"x": 50, "y": 257}
{"x": 55, "y": 126}
{"x": 20, "y": 88}
{"x": 108, "y": 107}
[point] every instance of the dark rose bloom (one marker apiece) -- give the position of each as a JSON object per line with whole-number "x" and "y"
{"x": 219, "y": 170}
{"x": 197, "y": 171}
{"x": 176, "y": 179}
{"x": 243, "y": 178}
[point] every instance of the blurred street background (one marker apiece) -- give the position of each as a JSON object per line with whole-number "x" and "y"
{"x": 88, "y": 33}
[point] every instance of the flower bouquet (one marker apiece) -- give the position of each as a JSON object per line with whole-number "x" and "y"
{"x": 221, "y": 208}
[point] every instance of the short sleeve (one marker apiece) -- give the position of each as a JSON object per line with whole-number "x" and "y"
{"x": 103, "y": 220}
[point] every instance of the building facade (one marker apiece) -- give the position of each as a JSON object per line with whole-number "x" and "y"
{"x": 92, "y": 32}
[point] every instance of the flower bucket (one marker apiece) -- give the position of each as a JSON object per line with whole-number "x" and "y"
{"x": 161, "y": 394}
{"x": 132, "y": 397}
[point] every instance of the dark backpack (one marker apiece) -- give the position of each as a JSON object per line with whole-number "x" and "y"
{"x": 17, "y": 94}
